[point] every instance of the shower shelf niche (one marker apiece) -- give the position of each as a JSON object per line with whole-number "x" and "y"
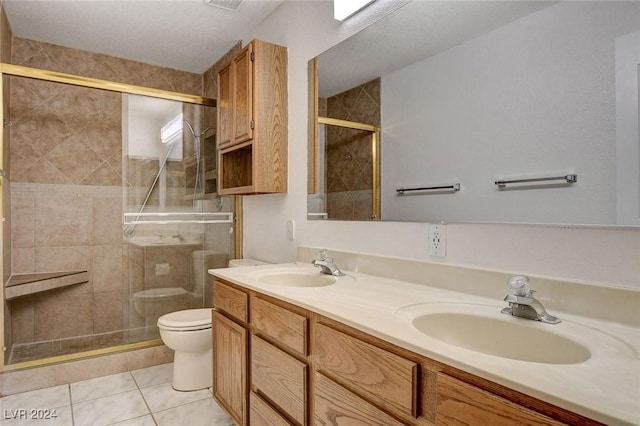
{"x": 20, "y": 285}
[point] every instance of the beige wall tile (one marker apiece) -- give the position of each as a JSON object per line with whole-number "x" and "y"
{"x": 91, "y": 368}
{"x": 107, "y": 312}
{"x": 107, "y": 220}
{"x": 149, "y": 357}
{"x": 23, "y": 222}
{"x": 51, "y": 259}
{"x": 107, "y": 268}
{"x": 23, "y": 260}
{"x": 63, "y": 221}
{"x": 59, "y": 315}
{"x": 22, "y": 320}
{"x": 104, "y": 174}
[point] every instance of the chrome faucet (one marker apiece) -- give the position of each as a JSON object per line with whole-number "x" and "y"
{"x": 326, "y": 265}
{"x": 179, "y": 236}
{"x": 523, "y": 304}
{"x": 158, "y": 234}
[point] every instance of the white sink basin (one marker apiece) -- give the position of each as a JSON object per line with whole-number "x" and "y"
{"x": 505, "y": 337}
{"x": 289, "y": 278}
{"x": 483, "y": 329}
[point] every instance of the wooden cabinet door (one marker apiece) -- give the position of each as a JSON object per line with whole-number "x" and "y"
{"x": 225, "y": 107}
{"x": 230, "y": 388}
{"x": 243, "y": 123}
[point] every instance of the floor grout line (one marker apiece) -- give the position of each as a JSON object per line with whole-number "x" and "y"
{"x": 144, "y": 399}
{"x": 73, "y": 422}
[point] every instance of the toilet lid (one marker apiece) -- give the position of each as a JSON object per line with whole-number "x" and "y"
{"x": 190, "y": 319}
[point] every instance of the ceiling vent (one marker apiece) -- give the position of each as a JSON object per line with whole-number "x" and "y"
{"x": 232, "y": 5}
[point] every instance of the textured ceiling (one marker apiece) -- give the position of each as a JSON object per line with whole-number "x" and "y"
{"x": 186, "y": 35}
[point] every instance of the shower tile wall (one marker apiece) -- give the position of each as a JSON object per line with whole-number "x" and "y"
{"x": 348, "y": 161}
{"x": 66, "y": 180}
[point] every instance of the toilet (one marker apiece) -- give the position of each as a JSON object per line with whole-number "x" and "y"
{"x": 188, "y": 333}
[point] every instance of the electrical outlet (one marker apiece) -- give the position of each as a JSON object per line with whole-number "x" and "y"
{"x": 291, "y": 229}
{"x": 437, "y": 240}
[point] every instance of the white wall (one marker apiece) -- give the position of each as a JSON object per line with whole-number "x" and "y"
{"x": 531, "y": 99}
{"x": 606, "y": 256}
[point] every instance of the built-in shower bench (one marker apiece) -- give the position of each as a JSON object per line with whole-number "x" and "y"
{"x": 26, "y": 284}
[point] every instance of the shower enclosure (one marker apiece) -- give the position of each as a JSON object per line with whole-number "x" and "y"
{"x": 114, "y": 217}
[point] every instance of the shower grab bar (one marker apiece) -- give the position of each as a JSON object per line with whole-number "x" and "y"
{"x": 455, "y": 187}
{"x": 569, "y": 179}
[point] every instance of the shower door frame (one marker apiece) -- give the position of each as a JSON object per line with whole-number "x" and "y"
{"x": 113, "y": 86}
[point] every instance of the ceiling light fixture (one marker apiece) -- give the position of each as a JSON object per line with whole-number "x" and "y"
{"x": 342, "y": 9}
{"x": 232, "y": 5}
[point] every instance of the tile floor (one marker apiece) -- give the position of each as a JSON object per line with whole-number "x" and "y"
{"x": 137, "y": 398}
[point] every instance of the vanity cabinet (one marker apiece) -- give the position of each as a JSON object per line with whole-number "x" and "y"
{"x": 302, "y": 368}
{"x": 272, "y": 375}
{"x": 252, "y": 121}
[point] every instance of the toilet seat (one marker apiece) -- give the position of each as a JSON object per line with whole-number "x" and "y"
{"x": 187, "y": 320}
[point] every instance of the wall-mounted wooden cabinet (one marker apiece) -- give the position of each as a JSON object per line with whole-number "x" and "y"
{"x": 252, "y": 121}
{"x": 302, "y": 368}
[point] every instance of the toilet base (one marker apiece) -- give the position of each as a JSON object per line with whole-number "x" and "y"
{"x": 192, "y": 371}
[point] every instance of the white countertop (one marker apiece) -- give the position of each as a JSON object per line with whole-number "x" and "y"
{"x": 605, "y": 388}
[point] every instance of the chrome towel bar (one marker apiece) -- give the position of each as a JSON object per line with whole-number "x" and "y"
{"x": 573, "y": 178}
{"x": 454, "y": 187}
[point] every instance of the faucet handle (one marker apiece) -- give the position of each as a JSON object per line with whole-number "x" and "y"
{"x": 322, "y": 254}
{"x": 519, "y": 284}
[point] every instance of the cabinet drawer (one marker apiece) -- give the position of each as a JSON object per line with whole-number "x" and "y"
{"x": 386, "y": 378}
{"x": 231, "y": 301}
{"x": 281, "y": 378}
{"x": 263, "y": 415}
{"x": 461, "y": 403}
{"x": 280, "y": 324}
{"x": 332, "y": 401}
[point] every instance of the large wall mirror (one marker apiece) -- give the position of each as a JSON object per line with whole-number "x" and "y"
{"x": 492, "y": 111}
